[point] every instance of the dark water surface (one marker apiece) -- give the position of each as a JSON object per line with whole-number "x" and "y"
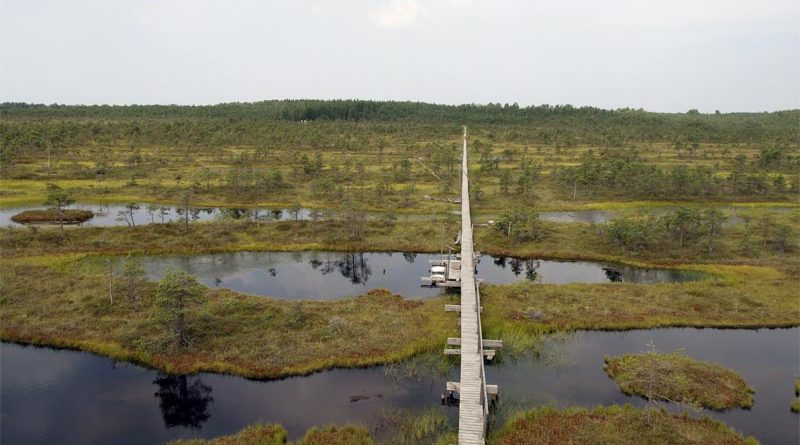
{"x": 68, "y": 397}
{"x": 334, "y": 275}
{"x": 570, "y": 373}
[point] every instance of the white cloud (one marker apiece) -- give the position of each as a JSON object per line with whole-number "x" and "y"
{"x": 398, "y": 14}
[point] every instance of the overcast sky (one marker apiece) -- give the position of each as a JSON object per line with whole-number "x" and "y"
{"x": 661, "y": 55}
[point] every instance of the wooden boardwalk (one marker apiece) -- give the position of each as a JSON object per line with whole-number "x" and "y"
{"x": 473, "y": 392}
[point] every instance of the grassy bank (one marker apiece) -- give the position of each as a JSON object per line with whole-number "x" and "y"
{"x": 49, "y": 297}
{"x": 231, "y": 333}
{"x": 51, "y": 301}
{"x": 676, "y": 377}
{"x": 259, "y": 434}
{"x": 745, "y": 297}
{"x": 610, "y": 425}
{"x": 276, "y": 435}
{"x": 566, "y": 241}
{"x": 615, "y": 425}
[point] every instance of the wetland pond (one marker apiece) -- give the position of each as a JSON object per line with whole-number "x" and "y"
{"x": 734, "y": 214}
{"x": 109, "y": 215}
{"x": 67, "y": 397}
{"x": 317, "y": 275}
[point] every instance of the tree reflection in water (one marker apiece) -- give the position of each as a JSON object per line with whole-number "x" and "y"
{"x": 531, "y": 269}
{"x": 183, "y": 400}
{"x": 315, "y": 263}
{"x": 352, "y": 266}
{"x": 517, "y": 265}
{"x": 613, "y": 275}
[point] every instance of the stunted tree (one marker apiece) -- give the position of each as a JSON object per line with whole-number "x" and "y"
{"x": 476, "y": 187}
{"x": 130, "y": 209}
{"x": 683, "y": 224}
{"x": 657, "y": 380}
{"x": 713, "y": 219}
{"x": 151, "y": 210}
{"x": 58, "y": 199}
{"x": 186, "y": 200}
{"x": 505, "y": 181}
{"x": 177, "y": 294}
{"x": 526, "y": 184}
{"x": 354, "y": 218}
{"x": 133, "y": 281}
{"x": 521, "y": 224}
{"x": 632, "y": 234}
{"x": 295, "y": 209}
{"x": 782, "y": 238}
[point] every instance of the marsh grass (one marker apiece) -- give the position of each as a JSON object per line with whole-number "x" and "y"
{"x": 258, "y": 434}
{"x": 231, "y": 333}
{"x": 614, "y": 425}
{"x": 55, "y": 293}
{"x": 165, "y": 166}
{"x": 271, "y": 434}
{"x": 397, "y": 426}
{"x": 390, "y": 427}
{"x": 742, "y": 297}
{"x": 336, "y": 435}
{"x": 676, "y": 377}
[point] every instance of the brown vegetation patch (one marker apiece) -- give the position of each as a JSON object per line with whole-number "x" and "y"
{"x": 71, "y": 216}
{"x": 676, "y": 377}
{"x": 615, "y": 425}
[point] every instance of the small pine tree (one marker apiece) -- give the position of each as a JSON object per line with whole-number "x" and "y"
{"x": 133, "y": 281}
{"x": 177, "y": 294}
{"x": 58, "y": 199}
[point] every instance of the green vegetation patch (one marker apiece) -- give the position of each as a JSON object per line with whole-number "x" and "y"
{"x": 271, "y": 434}
{"x": 742, "y": 297}
{"x": 259, "y": 434}
{"x": 676, "y": 377}
{"x": 333, "y": 435}
{"x": 51, "y": 216}
{"x": 227, "y": 332}
{"x": 796, "y": 403}
{"x": 615, "y": 425}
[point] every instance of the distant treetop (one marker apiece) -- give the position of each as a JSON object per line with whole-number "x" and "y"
{"x": 352, "y": 110}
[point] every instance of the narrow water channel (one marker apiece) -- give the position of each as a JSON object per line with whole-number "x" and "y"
{"x": 334, "y": 275}
{"x": 112, "y": 215}
{"x": 51, "y": 396}
{"x": 109, "y": 215}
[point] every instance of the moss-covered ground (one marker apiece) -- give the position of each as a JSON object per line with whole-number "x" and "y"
{"x": 676, "y": 377}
